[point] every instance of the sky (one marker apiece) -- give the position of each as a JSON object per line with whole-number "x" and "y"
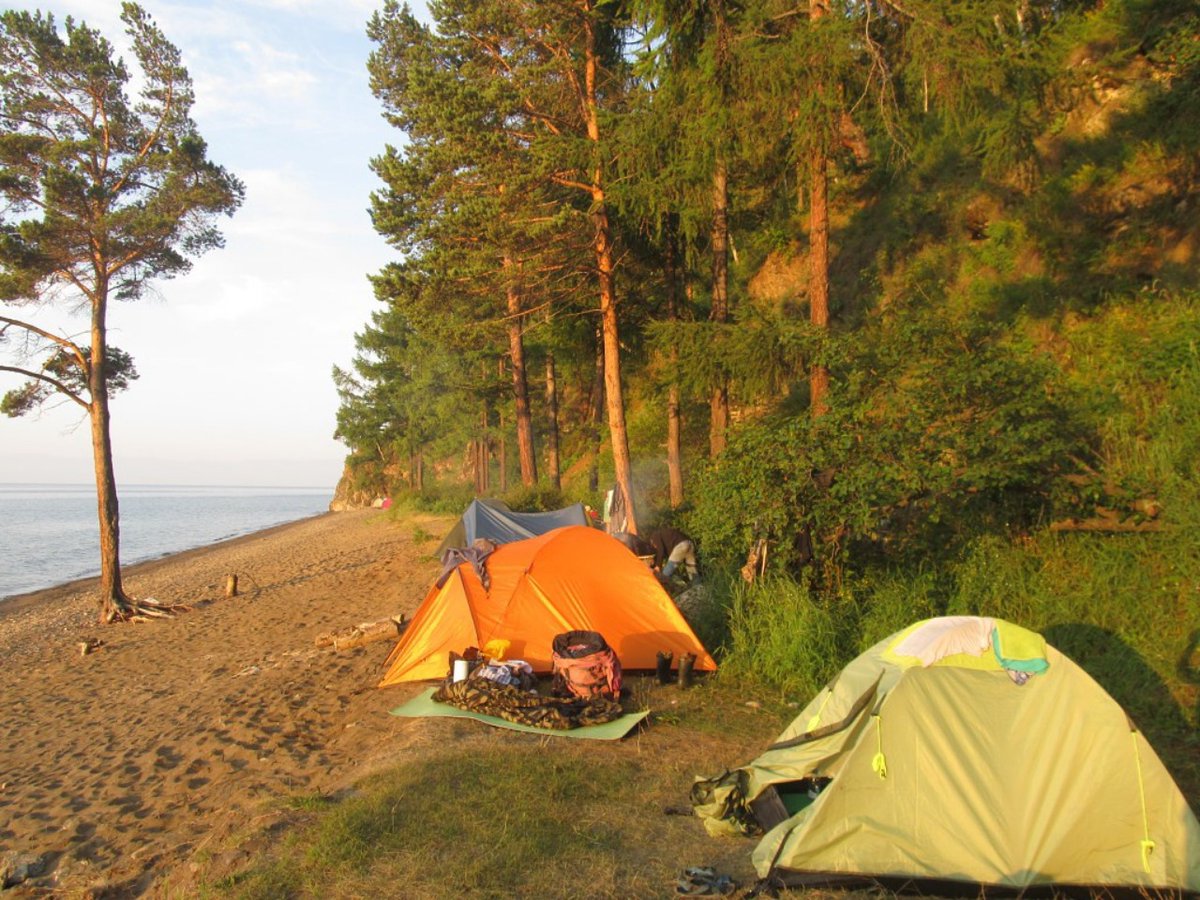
{"x": 235, "y": 357}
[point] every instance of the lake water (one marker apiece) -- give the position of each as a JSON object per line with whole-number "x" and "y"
{"x": 49, "y": 532}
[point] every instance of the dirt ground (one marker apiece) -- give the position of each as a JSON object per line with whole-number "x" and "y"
{"x": 119, "y": 767}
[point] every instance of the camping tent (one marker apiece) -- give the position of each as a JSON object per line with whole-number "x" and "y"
{"x": 492, "y": 519}
{"x": 570, "y": 579}
{"x": 962, "y": 751}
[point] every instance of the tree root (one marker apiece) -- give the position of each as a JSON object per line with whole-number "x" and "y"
{"x": 126, "y": 609}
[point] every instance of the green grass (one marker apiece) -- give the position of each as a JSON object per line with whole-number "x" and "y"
{"x": 783, "y": 636}
{"x": 504, "y": 815}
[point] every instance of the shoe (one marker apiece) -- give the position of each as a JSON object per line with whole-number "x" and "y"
{"x": 700, "y": 882}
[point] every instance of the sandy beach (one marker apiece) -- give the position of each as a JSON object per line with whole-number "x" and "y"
{"x": 119, "y": 767}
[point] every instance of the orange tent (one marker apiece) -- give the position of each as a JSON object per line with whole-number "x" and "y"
{"x": 572, "y": 578}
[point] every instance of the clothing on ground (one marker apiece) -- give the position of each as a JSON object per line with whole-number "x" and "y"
{"x": 514, "y": 705}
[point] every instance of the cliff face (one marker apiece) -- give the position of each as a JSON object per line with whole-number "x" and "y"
{"x": 347, "y": 496}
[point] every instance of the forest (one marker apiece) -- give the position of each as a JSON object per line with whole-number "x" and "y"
{"x": 907, "y": 290}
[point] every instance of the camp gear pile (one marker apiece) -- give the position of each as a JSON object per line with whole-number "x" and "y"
{"x": 511, "y": 703}
{"x": 507, "y": 688}
{"x": 962, "y": 751}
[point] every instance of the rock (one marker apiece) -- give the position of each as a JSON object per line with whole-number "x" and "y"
{"x": 17, "y": 868}
{"x": 693, "y": 600}
{"x": 346, "y": 496}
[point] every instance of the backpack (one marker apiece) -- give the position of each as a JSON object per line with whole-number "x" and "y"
{"x": 585, "y": 666}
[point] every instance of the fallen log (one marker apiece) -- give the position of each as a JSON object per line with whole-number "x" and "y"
{"x": 365, "y": 633}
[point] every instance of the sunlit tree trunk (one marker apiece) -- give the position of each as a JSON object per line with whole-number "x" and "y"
{"x": 674, "y": 453}
{"x": 520, "y": 382}
{"x": 596, "y": 412}
{"x": 602, "y": 244}
{"x": 112, "y": 594}
{"x": 503, "y": 455}
{"x": 552, "y": 459}
{"x": 719, "y": 399}
{"x": 481, "y": 454}
{"x": 818, "y": 236}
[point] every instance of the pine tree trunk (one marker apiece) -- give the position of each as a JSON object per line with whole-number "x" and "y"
{"x": 112, "y": 594}
{"x": 602, "y": 243}
{"x": 818, "y": 236}
{"x": 818, "y": 284}
{"x": 674, "y": 452}
{"x": 520, "y": 382}
{"x": 552, "y": 459}
{"x": 481, "y": 451}
{"x": 113, "y": 601}
{"x": 503, "y": 456}
{"x": 596, "y": 412}
{"x": 719, "y": 399}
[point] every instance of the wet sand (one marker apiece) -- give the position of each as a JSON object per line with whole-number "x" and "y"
{"x": 118, "y": 768}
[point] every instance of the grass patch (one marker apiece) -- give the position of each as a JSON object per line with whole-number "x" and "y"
{"x": 505, "y": 815}
{"x": 783, "y": 636}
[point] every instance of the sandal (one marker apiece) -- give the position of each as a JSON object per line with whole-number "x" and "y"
{"x": 697, "y": 881}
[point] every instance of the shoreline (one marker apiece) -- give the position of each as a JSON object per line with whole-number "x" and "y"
{"x": 125, "y": 763}
{"x": 14, "y": 603}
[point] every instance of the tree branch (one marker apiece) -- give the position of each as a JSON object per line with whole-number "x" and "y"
{"x": 63, "y": 342}
{"x": 41, "y": 376}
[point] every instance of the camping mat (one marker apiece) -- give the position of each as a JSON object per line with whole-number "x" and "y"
{"x": 424, "y": 705}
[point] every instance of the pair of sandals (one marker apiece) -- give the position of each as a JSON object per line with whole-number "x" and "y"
{"x": 698, "y": 882}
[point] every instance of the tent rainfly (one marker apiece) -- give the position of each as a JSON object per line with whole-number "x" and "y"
{"x": 492, "y": 519}
{"x": 962, "y": 752}
{"x": 573, "y": 578}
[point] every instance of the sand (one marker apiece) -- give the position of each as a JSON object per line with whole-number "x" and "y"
{"x": 118, "y": 768}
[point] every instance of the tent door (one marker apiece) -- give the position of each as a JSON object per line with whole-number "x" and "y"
{"x": 779, "y": 802}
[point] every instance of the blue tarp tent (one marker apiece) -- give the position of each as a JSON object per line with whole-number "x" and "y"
{"x": 492, "y": 519}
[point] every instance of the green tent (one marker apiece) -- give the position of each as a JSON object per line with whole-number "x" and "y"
{"x": 962, "y": 751}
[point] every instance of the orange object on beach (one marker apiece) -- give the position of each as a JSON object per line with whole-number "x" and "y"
{"x": 569, "y": 579}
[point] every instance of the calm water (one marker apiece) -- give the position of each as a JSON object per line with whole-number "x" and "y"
{"x": 49, "y": 532}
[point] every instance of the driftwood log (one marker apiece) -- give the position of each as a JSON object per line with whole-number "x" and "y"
{"x": 365, "y": 633}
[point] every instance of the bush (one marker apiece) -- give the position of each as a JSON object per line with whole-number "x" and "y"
{"x": 953, "y": 429}
{"x": 538, "y": 498}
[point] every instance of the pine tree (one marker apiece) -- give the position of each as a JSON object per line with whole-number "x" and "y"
{"x": 103, "y": 193}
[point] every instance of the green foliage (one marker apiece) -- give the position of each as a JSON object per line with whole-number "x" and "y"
{"x": 1013, "y": 289}
{"x": 941, "y": 427}
{"x": 785, "y": 637}
{"x": 62, "y": 373}
{"x": 91, "y": 164}
{"x": 537, "y": 498}
{"x": 447, "y": 499}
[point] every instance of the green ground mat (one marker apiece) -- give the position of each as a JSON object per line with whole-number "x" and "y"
{"x": 424, "y": 705}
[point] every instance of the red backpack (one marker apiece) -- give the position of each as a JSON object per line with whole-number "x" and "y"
{"x": 585, "y": 666}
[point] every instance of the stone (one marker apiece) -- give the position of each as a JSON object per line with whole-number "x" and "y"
{"x": 17, "y": 868}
